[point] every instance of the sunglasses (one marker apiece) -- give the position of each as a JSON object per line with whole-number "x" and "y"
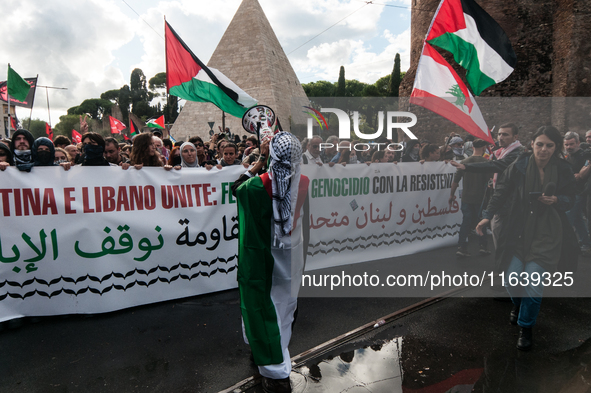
{"x": 315, "y": 146}
{"x": 199, "y": 145}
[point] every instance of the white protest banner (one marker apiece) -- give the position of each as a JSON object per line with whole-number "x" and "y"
{"x": 96, "y": 239}
{"x": 362, "y": 213}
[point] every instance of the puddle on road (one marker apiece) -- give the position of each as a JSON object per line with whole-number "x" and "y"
{"x": 375, "y": 369}
{"x": 385, "y": 367}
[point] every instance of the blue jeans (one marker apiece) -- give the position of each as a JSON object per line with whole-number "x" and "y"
{"x": 470, "y": 215}
{"x": 527, "y": 298}
{"x": 575, "y": 217}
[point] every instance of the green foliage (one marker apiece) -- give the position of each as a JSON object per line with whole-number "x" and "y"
{"x": 320, "y": 89}
{"x": 395, "y": 78}
{"x": 383, "y": 85}
{"x": 354, "y": 88}
{"x": 97, "y": 108}
{"x": 158, "y": 81}
{"x": 37, "y": 127}
{"x": 341, "y": 84}
{"x": 66, "y": 125}
{"x": 124, "y": 101}
{"x": 370, "y": 91}
{"x": 111, "y": 95}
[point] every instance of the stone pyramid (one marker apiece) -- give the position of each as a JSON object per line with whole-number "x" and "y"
{"x": 250, "y": 55}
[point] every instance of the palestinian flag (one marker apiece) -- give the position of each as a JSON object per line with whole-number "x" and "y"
{"x": 156, "y": 123}
{"x": 265, "y": 274}
{"x": 475, "y": 39}
{"x": 132, "y": 128}
{"x": 188, "y": 78}
{"x": 438, "y": 88}
{"x": 116, "y": 125}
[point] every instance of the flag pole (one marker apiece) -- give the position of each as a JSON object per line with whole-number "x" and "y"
{"x": 33, "y": 102}
{"x": 8, "y": 99}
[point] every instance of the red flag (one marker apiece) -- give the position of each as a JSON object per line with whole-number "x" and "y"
{"x": 13, "y": 122}
{"x": 76, "y": 137}
{"x": 49, "y": 131}
{"x": 116, "y": 125}
{"x": 125, "y": 137}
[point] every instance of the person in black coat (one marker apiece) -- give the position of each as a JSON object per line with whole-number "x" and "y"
{"x": 537, "y": 189}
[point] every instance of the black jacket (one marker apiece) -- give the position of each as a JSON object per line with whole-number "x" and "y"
{"x": 509, "y": 200}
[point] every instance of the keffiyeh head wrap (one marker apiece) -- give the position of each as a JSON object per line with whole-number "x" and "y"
{"x": 185, "y": 164}
{"x": 286, "y": 156}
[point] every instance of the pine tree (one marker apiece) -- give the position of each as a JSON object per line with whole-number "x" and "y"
{"x": 341, "y": 83}
{"x": 395, "y": 77}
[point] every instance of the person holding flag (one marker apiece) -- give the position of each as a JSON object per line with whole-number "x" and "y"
{"x": 273, "y": 216}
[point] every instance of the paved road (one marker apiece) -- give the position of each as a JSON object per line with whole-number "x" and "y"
{"x": 195, "y": 344}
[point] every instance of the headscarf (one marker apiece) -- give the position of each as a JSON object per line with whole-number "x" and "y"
{"x": 6, "y": 149}
{"x": 184, "y": 164}
{"x": 22, "y": 158}
{"x": 41, "y": 158}
{"x": 286, "y": 158}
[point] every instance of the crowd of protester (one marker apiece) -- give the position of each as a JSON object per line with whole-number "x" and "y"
{"x": 554, "y": 169}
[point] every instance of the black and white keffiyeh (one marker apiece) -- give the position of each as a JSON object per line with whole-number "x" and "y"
{"x": 286, "y": 156}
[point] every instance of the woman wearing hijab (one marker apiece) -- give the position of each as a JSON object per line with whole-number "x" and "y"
{"x": 189, "y": 156}
{"x": 5, "y": 157}
{"x": 273, "y": 237}
{"x": 536, "y": 191}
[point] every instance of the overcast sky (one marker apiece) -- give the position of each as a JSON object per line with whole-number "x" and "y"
{"x": 90, "y": 46}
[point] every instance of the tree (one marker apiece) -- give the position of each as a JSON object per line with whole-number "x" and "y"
{"x": 66, "y": 125}
{"x": 111, "y": 95}
{"x": 97, "y": 108}
{"x": 124, "y": 101}
{"x": 171, "y": 108}
{"x": 383, "y": 85}
{"x": 395, "y": 78}
{"x": 319, "y": 89}
{"x": 140, "y": 97}
{"x": 37, "y": 127}
{"x": 341, "y": 84}
{"x": 354, "y": 88}
{"x": 158, "y": 81}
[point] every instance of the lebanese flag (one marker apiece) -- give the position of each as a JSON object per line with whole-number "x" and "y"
{"x": 49, "y": 131}
{"x": 188, "y": 78}
{"x": 116, "y": 125}
{"x": 475, "y": 39}
{"x": 76, "y": 136}
{"x": 438, "y": 88}
{"x": 156, "y": 123}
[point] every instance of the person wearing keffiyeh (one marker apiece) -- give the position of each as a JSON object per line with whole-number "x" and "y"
{"x": 274, "y": 224}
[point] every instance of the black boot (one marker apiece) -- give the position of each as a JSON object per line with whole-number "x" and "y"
{"x": 525, "y": 340}
{"x": 514, "y": 315}
{"x": 276, "y": 385}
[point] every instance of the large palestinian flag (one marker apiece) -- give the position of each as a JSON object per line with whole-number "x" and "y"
{"x": 438, "y": 88}
{"x": 476, "y": 40}
{"x": 188, "y": 78}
